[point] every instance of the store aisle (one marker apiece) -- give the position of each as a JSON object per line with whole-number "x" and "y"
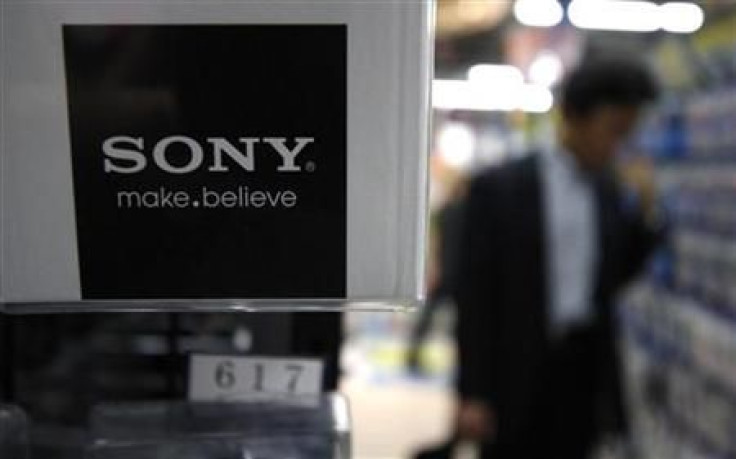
{"x": 394, "y": 419}
{"x": 394, "y": 412}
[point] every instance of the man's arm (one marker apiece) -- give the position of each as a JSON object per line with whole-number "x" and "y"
{"x": 644, "y": 225}
{"x": 643, "y": 234}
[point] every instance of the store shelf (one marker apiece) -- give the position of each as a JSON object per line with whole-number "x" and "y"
{"x": 668, "y": 353}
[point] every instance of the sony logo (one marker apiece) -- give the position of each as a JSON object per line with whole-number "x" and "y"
{"x": 125, "y": 154}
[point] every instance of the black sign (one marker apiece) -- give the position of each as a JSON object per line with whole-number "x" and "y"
{"x": 209, "y": 161}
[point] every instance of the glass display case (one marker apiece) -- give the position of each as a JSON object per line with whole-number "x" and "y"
{"x": 13, "y": 433}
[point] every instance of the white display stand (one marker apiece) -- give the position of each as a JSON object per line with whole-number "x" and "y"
{"x": 387, "y": 75}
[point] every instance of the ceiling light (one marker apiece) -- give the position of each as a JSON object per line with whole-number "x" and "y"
{"x": 466, "y": 95}
{"x": 681, "y": 17}
{"x": 456, "y": 144}
{"x": 496, "y": 74}
{"x": 630, "y": 16}
{"x": 538, "y": 13}
{"x": 536, "y": 99}
{"x": 636, "y": 16}
{"x": 546, "y": 69}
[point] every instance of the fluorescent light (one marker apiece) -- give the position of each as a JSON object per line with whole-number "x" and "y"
{"x": 456, "y": 144}
{"x": 636, "y": 16}
{"x": 546, "y": 69}
{"x": 538, "y": 13}
{"x": 630, "y": 16}
{"x": 451, "y": 94}
{"x": 495, "y": 74}
{"x": 536, "y": 99}
{"x": 681, "y": 17}
{"x": 467, "y": 95}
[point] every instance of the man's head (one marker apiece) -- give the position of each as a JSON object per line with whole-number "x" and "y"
{"x": 601, "y": 101}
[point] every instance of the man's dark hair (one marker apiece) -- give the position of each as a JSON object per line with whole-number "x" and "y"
{"x": 607, "y": 81}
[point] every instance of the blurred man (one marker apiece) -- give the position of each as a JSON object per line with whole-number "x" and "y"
{"x": 548, "y": 242}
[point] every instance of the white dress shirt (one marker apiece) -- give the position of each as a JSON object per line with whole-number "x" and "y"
{"x": 571, "y": 240}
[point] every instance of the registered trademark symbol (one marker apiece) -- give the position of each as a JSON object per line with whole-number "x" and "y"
{"x": 310, "y": 166}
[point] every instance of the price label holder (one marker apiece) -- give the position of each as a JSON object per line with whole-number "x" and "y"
{"x": 276, "y": 428}
{"x": 210, "y": 448}
{"x": 239, "y": 378}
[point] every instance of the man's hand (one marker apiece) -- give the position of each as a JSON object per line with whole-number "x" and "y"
{"x": 475, "y": 421}
{"x": 639, "y": 176}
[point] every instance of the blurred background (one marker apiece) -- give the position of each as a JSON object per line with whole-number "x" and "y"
{"x": 679, "y": 321}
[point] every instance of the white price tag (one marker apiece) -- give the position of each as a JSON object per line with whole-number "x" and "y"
{"x": 223, "y": 377}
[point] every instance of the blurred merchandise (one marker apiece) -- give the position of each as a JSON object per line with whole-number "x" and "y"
{"x": 680, "y": 359}
{"x": 679, "y": 324}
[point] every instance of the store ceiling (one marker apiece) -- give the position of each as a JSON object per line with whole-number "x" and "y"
{"x": 473, "y": 31}
{"x": 461, "y": 17}
{"x": 469, "y": 31}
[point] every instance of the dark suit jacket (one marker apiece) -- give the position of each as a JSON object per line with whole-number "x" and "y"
{"x": 502, "y": 291}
